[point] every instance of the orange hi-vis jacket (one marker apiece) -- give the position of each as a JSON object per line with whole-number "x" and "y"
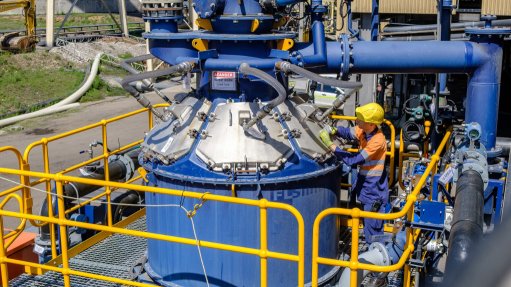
{"x": 371, "y": 183}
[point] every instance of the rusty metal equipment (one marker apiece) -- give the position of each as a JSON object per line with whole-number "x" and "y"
{"x": 14, "y": 42}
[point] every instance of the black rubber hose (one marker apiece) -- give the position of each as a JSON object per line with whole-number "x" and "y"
{"x": 181, "y": 68}
{"x": 116, "y": 169}
{"x": 412, "y": 131}
{"x": 288, "y": 67}
{"x": 125, "y": 204}
{"x": 467, "y": 223}
{"x": 490, "y": 264}
{"x": 266, "y": 109}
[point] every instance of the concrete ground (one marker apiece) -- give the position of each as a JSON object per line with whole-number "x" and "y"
{"x": 67, "y": 152}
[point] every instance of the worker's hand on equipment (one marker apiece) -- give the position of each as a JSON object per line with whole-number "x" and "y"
{"x": 331, "y": 130}
{"x": 325, "y": 138}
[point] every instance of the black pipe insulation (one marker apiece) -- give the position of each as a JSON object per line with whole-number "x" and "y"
{"x": 274, "y": 83}
{"x": 433, "y": 27}
{"x": 117, "y": 170}
{"x": 467, "y": 223}
{"x": 181, "y": 68}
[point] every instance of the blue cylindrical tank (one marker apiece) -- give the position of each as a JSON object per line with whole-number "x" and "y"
{"x": 179, "y": 265}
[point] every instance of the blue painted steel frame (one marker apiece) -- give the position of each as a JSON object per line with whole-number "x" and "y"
{"x": 493, "y": 198}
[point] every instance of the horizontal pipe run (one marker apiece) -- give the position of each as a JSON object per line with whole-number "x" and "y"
{"x": 417, "y": 57}
{"x": 433, "y": 27}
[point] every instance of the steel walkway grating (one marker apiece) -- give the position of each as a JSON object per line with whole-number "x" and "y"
{"x": 116, "y": 256}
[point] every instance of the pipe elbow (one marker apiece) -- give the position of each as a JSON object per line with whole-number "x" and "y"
{"x": 475, "y": 55}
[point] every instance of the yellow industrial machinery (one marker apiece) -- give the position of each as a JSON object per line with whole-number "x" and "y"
{"x": 15, "y": 42}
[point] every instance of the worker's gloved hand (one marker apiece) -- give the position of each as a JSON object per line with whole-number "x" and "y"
{"x": 330, "y": 130}
{"x": 325, "y": 138}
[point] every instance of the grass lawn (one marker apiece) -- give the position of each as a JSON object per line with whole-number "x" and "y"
{"x": 29, "y": 79}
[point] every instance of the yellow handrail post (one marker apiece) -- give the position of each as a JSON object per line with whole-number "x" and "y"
{"x": 409, "y": 243}
{"x": 3, "y": 252}
{"x": 400, "y": 167}
{"x": 264, "y": 241}
{"x": 392, "y": 151}
{"x": 46, "y": 162}
{"x": 354, "y": 247}
{"x": 106, "y": 155}
{"x": 63, "y": 231}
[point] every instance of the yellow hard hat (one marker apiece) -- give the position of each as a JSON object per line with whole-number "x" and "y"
{"x": 370, "y": 113}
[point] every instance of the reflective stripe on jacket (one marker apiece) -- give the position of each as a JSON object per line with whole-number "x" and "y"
{"x": 371, "y": 184}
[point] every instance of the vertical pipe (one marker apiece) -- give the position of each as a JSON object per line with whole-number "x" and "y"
{"x": 63, "y": 231}
{"x": 482, "y": 103}
{"x": 375, "y": 20}
{"x": 123, "y": 17}
{"x": 264, "y": 242}
{"x": 49, "y": 23}
{"x": 350, "y": 19}
{"x": 301, "y": 23}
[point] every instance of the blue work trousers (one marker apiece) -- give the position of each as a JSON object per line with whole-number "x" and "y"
{"x": 373, "y": 228}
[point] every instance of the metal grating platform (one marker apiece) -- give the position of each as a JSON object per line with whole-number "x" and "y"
{"x": 115, "y": 256}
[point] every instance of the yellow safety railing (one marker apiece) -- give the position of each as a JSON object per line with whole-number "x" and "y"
{"x": 356, "y": 214}
{"x": 44, "y": 143}
{"x": 390, "y": 153}
{"x": 60, "y": 178}
{"x": 9, "y": 193}
{"x": 63, "y": 223}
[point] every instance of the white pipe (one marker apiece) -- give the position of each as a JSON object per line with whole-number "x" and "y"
{"x": 39, "y": 113}
{"x": 85, "y": 87}
{"x": 65, "y": 104}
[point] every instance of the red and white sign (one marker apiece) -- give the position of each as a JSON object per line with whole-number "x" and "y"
{"x": 223, "y": 81}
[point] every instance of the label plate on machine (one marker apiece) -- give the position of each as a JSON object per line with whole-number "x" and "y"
{"x": 223, "y": 81}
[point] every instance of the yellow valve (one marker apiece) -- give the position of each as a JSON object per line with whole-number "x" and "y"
{"x": 200, "y": 44}
{"x": 285, "y": 44}
{"x": 255, "y": 25}
{"x": 204, "y": 24}
{"x": 143, "y": 173}
{"x": 279, "y": 23}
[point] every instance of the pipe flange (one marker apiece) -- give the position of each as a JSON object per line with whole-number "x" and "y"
{"x": 346, "y": 57}
{"x": 385, "y": 257}
{"x": 128, "y": 163}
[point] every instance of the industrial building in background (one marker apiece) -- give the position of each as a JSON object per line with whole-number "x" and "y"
{"x": 231, "y": 184}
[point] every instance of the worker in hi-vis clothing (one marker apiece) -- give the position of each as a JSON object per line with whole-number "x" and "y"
{"x": 371, "y": 185}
